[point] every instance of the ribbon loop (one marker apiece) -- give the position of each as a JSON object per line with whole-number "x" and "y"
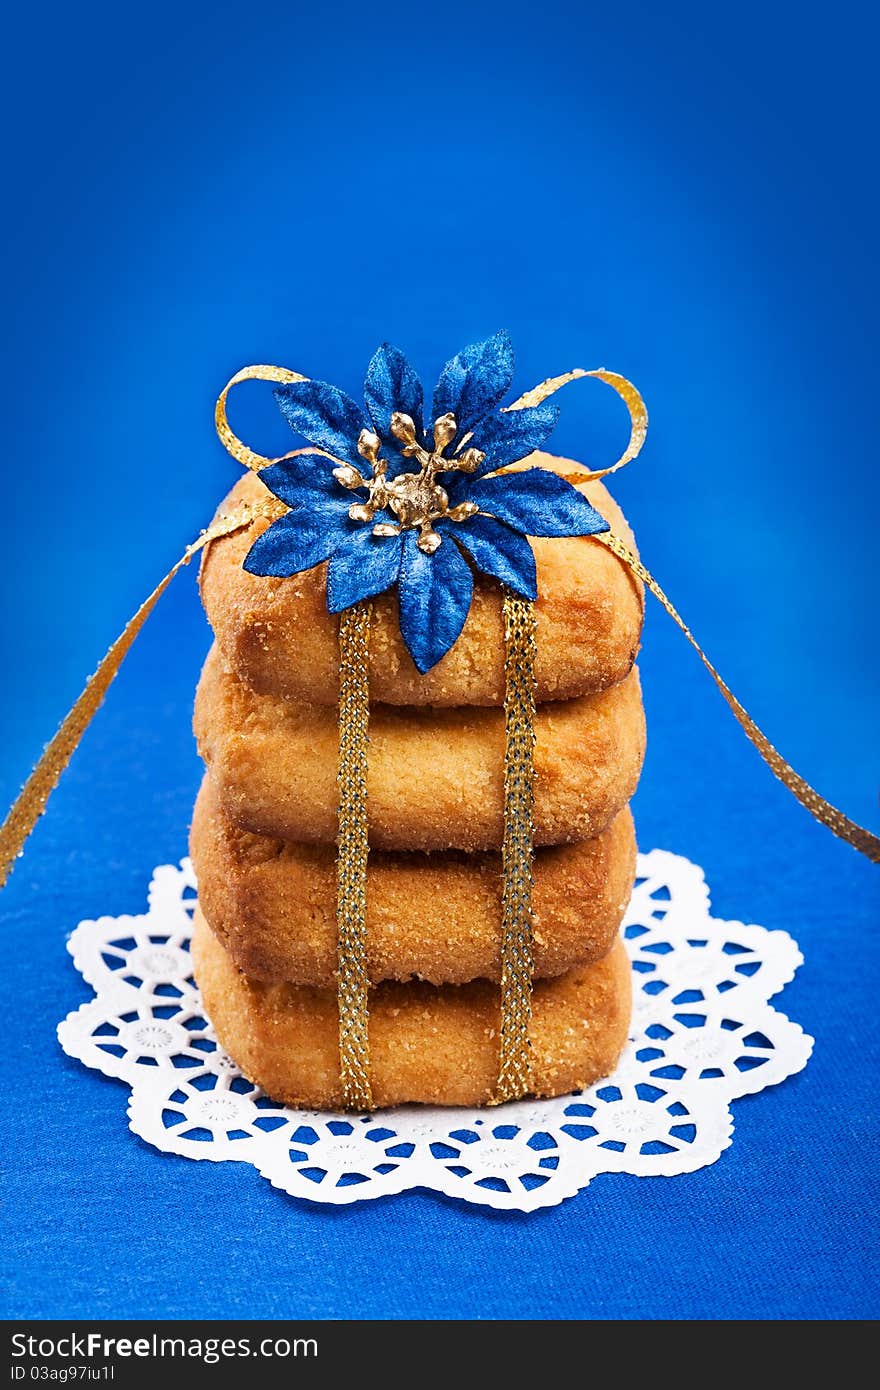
{"x": 638, "y": 412}
{"x": 230, "y": 441}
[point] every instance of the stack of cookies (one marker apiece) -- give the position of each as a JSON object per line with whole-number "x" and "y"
{"x": 265, "y": 824}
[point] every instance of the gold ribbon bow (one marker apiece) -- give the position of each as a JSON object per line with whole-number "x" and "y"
{"x": 517, "y": 849}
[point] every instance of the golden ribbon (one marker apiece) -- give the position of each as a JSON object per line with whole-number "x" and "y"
{"x": 354, "y": 717}
{"x": 353, "y": 985}
{"x": 638, "y": 411}
{"x": 230, "y": 441}
{"x": 31, "y": 800}
{"x": 520, "y": 650}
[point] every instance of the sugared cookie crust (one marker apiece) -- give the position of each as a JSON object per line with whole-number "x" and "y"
{"x": 436, "y": 776}
{"x": 278, "y": 637}
{"x": 429, "y": 1045}
{"x": 435, "y": 917}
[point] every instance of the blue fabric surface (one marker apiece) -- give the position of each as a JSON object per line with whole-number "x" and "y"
{"x": 538, "y": 502}
{"x": 691, "y": 210}
{"x": 323, "y": 415}
{"x": 434, "y": 595}
{"x": 392, "y": 384}
{"x": 498, "y": 550}
{"x": 475, "y": 381}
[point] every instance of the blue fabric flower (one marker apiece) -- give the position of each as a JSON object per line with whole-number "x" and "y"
{"x": 408, "y": 528}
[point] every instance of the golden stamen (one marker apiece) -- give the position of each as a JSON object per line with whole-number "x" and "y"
{"x": 444, "y": 432}
{"x": 404, "y": 429}
{"x": 415, "y": 498}
{"x": 429, "y": 540}
{"x": 349, "y": 477}
{"x": 463, "y": 511}
{"x": 369, "y": 445}
{"x": 469, "y": 460}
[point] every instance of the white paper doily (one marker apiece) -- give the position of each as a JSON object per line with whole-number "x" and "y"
{"x": 703, "y": 1033}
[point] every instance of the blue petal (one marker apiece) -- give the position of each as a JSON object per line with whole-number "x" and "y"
{"x": 391, "y": 385}
{"x": 323, "y": 415}
{"x": 304, "y": 480}
{"x": 498, "y": 551}
{"x": 435, "y": 595}
{"x": 510, "y": 435}
{"x": 505, "y": 438}
{"x": 475, "y": 382}
{"x": 296, "y": 542}
{"x": 538, "y": 503}
{"x": 362, "y": 566}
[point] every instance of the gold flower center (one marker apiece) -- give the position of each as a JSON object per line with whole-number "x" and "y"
{"x": 416, "y": 499}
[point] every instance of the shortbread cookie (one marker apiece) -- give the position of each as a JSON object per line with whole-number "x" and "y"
{"x": 436, "y": 777}
{"x": 434, "y": 1046}
{"x": 436, "y": 917}
{"x": 277, "y": 635}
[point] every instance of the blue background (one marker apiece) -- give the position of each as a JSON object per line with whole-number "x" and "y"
{"x": 684, "y": 196}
